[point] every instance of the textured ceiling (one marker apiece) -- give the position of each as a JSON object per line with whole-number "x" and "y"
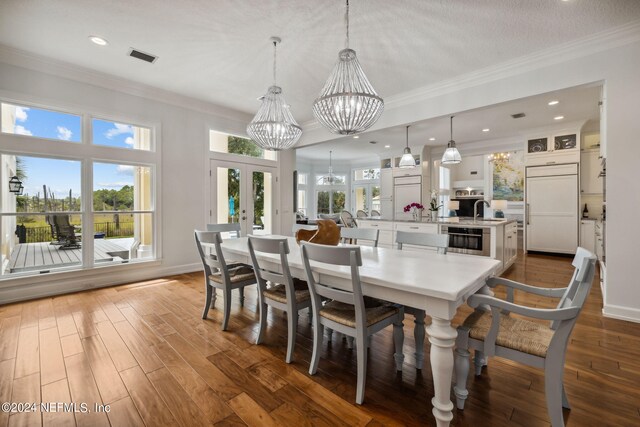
{"x": 218, "y": 51}
{"x": 578, "y": 104}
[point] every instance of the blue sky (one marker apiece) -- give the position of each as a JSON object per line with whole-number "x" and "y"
{"x": 62, "y": 175}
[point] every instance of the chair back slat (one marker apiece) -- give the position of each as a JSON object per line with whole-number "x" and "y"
{"x": 438, "y": 241}
{"x": 335, "y": 294}
{"x": 355, "y": 234}
{"x": 233, "y": 229}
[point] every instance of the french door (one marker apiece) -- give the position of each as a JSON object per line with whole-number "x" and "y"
{"x": 365, "y": 197}
{"x": 243, "y": 193}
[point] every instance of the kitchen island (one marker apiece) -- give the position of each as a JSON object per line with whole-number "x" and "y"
{"x": 494, "y": 238}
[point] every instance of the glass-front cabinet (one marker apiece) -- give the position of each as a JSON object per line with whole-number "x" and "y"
{"x": 560, "y": 147}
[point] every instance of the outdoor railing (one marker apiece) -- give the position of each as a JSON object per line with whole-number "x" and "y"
{"x": 109, "y": 229}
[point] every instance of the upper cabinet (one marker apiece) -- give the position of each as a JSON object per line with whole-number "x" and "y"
{"x": 562, "y": 147}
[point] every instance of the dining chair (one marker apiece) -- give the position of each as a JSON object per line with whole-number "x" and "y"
{"x": 439, "y": 242}
{"x": 375, "y": 212}
{"x": 345, "y": 311}
{"x": 361, "y": 214}
{"x": 218, "y": 275}
{"x": 495, "y": 333}
{"x": 278, "y": 289}
{"x": 352, "y": 235}
{"x": 347, "y": 219}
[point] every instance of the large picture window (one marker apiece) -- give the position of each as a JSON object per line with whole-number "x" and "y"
{"x": 232, "y": 144}
{"x": 71, "y": 211}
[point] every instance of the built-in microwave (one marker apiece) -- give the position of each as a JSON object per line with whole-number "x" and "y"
{"x": 468, "y": 240}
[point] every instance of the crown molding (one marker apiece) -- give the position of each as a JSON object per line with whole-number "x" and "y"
{"x": 598, "y": 42}
{"x": 592, "y": 44}
{"x": 30, "y": 61}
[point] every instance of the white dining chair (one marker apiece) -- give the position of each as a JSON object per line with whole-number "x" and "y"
{"x": 495, "y": 332}
{"x": 218, "y": 275}
{"x": 439, "y": 242}
{"x": 352, "y": 235}
{"x": 230, "y": 230}
{"x": 278, "y": 289}
{"x": 345, "y": 311}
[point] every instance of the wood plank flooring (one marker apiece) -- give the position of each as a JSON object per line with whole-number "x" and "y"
{"x": 143, "y": 349}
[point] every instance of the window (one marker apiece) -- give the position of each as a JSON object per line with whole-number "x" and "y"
{"x": 122, "y": 212}
{"x": 301, "y": 207}
{"x": 366, "y": 174}
{"x": 330, "y": 201}
{"x": 225, "y": 143}
{"x": 41, "y": 228}
{"x": 326, "y": 180}
{"x": 39, "y": 123}
{"x": 112, "y": 134}
{"x": 47, "y": 227}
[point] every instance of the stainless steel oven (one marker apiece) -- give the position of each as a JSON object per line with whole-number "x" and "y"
{"x": 469, "y": 240}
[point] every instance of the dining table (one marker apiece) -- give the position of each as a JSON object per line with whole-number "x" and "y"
{"x": 434, "y": 282}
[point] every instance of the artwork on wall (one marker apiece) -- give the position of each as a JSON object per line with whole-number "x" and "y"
{"x": 508, "y": 178}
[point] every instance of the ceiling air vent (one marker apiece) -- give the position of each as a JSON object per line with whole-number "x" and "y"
{"x": 518, "y": 115}
{"x": 134, "y": 53}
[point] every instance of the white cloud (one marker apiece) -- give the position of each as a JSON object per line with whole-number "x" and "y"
{"x": 64, "y": 133}
{"x": 21, "y": 130}
{"x": 113, "y": 184}
{"x": 119, "y": 129}
{"x": 129, "y": 140}
{"x": 125, "y": 170}
{"x": 21, "y": 114}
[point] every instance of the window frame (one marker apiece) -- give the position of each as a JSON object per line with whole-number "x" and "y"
{"x": 4, "y": 100}
{"x": 88, "y": 153}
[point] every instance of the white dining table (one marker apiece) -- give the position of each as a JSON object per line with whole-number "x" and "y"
{"x": 436, "y": 283}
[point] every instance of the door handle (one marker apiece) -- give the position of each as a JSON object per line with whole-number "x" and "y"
{"x": 528, "y": 209}
{"x": 244, "y": 217}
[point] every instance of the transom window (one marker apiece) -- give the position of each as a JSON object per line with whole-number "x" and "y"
{"x": 40, "y": 123}
{"x": 368, "y": 174}
{"x": 232, "y": 144}
{"x": 331, "y": 180}
{"x": 120, "y": 135}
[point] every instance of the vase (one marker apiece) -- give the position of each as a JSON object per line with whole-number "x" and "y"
{"x": 434, "y": 216}
{"x": 417, "y": 214}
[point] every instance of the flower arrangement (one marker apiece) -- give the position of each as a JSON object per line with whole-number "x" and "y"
{"x": 433, "y": 203}
{"x": 417, "y": 206}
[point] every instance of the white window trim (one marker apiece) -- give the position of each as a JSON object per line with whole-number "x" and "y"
{"x": 88, "y": 153}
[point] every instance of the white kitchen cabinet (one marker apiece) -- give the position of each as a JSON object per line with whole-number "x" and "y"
{"x": 562, "y": 147}
{"x": 510, "y": 244}
{"x": 386, "y": 238}
{"x": 590, "y": 181}
{"x": 386, "y": 193}
{"x": 588, "y": 234}
{"x": 599, "y": 241}
{"x": 406, "y": 190}
{"x": 552, "y": 208}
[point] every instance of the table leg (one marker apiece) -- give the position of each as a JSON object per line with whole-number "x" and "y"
{"x": 442, "y": 337}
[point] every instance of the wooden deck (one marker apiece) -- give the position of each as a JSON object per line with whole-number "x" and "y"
{"x": 37, "y": 256}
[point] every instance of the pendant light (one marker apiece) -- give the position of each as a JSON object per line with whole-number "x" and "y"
{"x": 273, "y": 127}
{"x": 451, "y": 155}
{"x": 330, "y": 179}
{"x": 348, "y": 103}
{"x": 407, "y": 160}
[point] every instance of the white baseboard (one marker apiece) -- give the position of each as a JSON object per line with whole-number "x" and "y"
{"x": 100, "y": 279}
{"x": 621, "y": 313}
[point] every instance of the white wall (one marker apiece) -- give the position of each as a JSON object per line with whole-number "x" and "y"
{"x": 183, "y": 139}
{"x": 612, "y": 58}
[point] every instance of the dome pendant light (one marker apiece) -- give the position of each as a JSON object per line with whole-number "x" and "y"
{"x": 273, "y": 127}
{"x": 407, "y": 160}
{"x": 348, "y": 103}
{"x": 451, "y": 155}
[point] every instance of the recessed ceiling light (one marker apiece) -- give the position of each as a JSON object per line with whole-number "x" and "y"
{"x": 356, "y": 136}
{"x": 99, "y": 40}
{"x": 554, "y": 102}
{"x": 387, "y": 146}
{"x": 558, "y": 118}
{"x": 486, "y": 130}
{"x": 432, "y": 139}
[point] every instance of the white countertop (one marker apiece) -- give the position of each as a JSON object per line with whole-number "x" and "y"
{"x": 460, "y": 221}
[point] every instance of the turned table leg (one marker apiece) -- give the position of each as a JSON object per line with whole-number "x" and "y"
{"x": 442, "y": 337}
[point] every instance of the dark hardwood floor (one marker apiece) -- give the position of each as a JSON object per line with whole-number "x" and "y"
{"x": 143, "y": 349}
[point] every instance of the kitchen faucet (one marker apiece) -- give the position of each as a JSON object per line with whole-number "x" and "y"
{"x": 475, "y": 207}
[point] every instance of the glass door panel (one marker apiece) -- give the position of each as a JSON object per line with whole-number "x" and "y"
{"x": 360, "y": 200}
{"x": 244, "y": 194}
